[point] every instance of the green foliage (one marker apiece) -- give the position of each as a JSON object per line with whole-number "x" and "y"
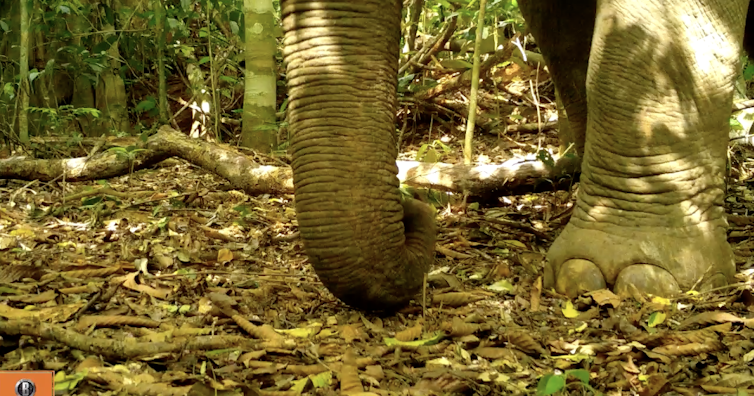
{"x": 59, "y": 119}
{"x": 506, "y": 12}
{"x": 546, "y": 158}
{"x": 429, "y": 153}
{"x": 748, "y": 72}
{"x": 67, "y": 383}
{"x": 552, "y": 383}
{"x": 149, "y": 104}
{"x": 244, "y": 214}
{"x": 130, "y": 153}
{"x": 735, "y": 124}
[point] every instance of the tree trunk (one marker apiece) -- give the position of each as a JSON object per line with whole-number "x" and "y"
{"x": 259, "y": 130}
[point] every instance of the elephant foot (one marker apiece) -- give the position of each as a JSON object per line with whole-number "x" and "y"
{"x": 653, "y": 261}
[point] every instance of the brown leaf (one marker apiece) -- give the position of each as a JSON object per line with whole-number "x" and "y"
{"x": 224, "y": 256}
{"x": 604, "y": 297}
{"x": 12, "y": 273}
{"x": 494, "y": 353}
{"x": 523, "y": 340}
{"x": 351, "y": 332}
{"x": 711, "y": 317}
{"x": 129, "y": 281}
{"x": 303, "y": 370}
{"x": 409, "y": 334}
{"x": 375, "y": 371}
{"x": 536, "y": 295}
{"x": 721, "y": 390}
{"x": 58, "y": 313}
{"x": 459, "y": 328}
{"x": 451, "y": 253}
{"x": 690, "y": 349}
{"x": 653, "y": 385}
{"x": 49, "y": 295}
{"x": 456, "y": 299}
{"x": 349, "y": 380}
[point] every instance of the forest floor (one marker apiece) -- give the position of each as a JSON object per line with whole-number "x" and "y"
{"x": 168, "y": 282}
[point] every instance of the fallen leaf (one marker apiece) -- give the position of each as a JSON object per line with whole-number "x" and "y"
{"x": 409, "y": 334}
{"x": 129, "y": 281}
{"x": 351, "y": 332}
{"x": 604, "y": 297}
{"x": 536, "y": 294}
{"x": 501, "y": 286}
{"x": 456, "y": 299}
{"x": 569, "y": 311}
{"x": 656, "y": 318}
{"x": 224, "y": 256}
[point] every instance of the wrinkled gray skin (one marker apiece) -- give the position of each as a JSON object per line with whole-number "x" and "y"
{"x": 651, "y": 97}
{"x": 650, "y": 113}
{"x": 368, "y": 247}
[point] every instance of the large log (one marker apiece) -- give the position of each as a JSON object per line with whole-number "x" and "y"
{"x": 244, "y": 174}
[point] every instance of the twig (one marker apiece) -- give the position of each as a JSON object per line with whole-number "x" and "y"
{"x": 430, "y": 48}
{"x": 464, "y": 78}
{"x": 520, "y": 226}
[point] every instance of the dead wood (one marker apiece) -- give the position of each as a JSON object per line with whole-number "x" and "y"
{"x": 244, "y": 174}
{"x": 121, "y": 350}
{"x": 742, "y": 105}
{"x": 513, "y": 176}
{"x": 425, "y": 54}
{"x": 103, "y": 165}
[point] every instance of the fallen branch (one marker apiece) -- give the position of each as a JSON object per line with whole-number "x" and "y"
{"x": 244, "y": 174}
{"x": 744, "y": 104}
{"x": 100, "y": 166}
{"x": 124, "y": 350}
{"x": 512, "y": 176}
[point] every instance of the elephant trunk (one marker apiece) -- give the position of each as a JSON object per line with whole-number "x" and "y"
{"x": 368, "y": 247}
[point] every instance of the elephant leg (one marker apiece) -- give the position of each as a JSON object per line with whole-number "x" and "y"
{"x": 649, "y": 210}
{"x": 564, "y": 36}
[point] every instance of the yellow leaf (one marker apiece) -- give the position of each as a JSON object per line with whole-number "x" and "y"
{"x": 577, "y": 357}
{"x": 300, "y": 385}
{"x": 656, "y": 318}
{"x": 23, "y": 232}
{"x": 569, "y": 311}
{"x": 434, "y": 339}
{"x": 660, "y": 300}
{"x": 326, "y": 333}
{"x": 303, "y": 332}
{"x": 224, "y": 256}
